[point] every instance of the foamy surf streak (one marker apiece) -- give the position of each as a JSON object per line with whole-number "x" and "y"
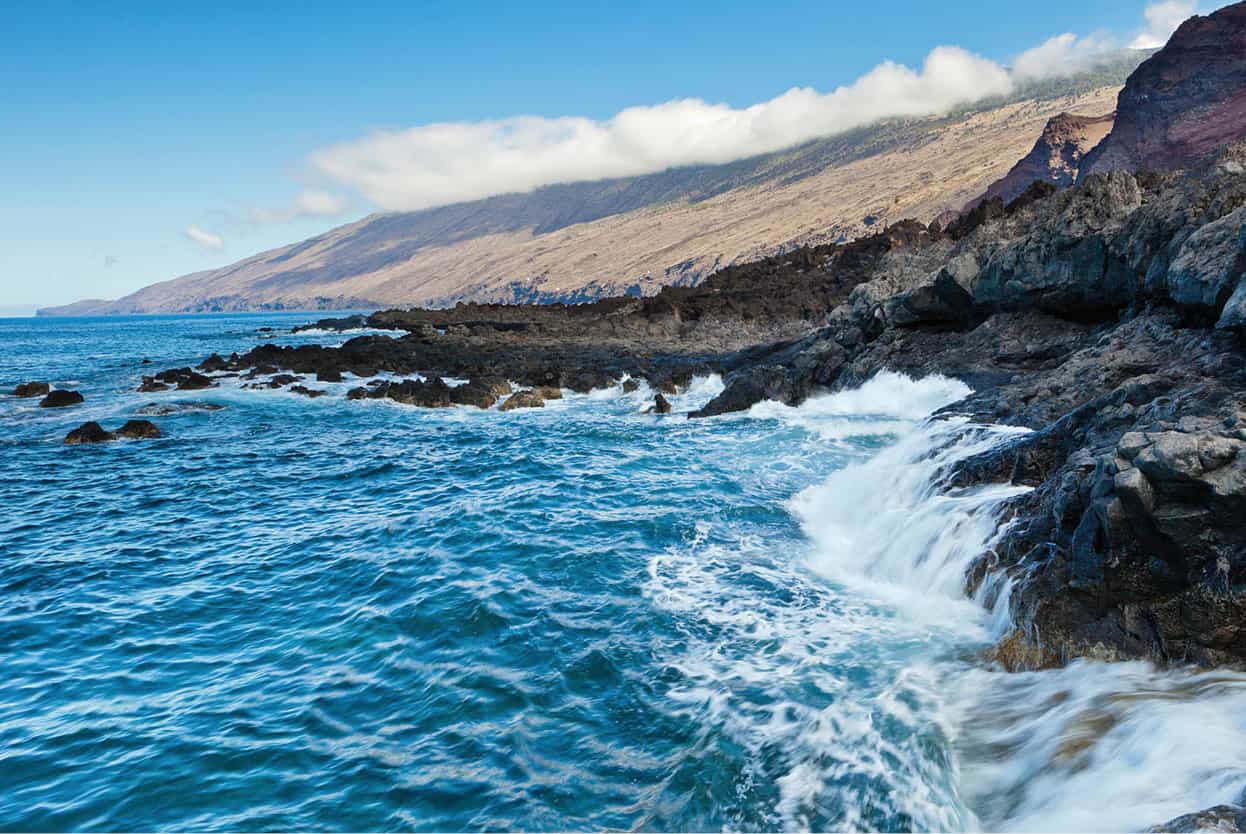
{"x": 1098, "y": 746}
{"x": 818, "y": 684}
{"x": 1091, "y": 747}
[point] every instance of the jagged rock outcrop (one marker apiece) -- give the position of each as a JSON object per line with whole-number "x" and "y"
{"x": 1056, "y": 157}
{"x": 1087, "y": 316}
{"x": 1184, "y": 103}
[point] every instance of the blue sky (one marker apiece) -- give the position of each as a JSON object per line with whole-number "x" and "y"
{"x": 124, "y": 126}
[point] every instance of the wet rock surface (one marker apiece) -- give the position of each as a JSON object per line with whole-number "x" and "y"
{"x": 181, "y": 379}
{"x": 523, "y": 399}
{"x": 140, "y": 430}
{"x": 61, "y": 398}
{"x": 91, "y": 432}
{"x": 32, "y": 389}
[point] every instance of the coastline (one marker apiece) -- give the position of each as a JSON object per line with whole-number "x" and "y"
{"x": 1131, "y": 391}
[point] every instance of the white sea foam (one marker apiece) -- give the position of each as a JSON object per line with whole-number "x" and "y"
{"x": 1098, "y": 746}
{"x": 944, "y": 745}
{"x": 351, "y": 332}
{"x": 888, "y": 527}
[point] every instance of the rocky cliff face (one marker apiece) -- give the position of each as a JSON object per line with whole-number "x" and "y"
{"x": 1107, "y": 317}
{"x": 1056, "y": 157}
{"x": 1184, "y": 103}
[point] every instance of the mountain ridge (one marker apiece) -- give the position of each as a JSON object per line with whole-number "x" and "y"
{"x": 582, "y": 241}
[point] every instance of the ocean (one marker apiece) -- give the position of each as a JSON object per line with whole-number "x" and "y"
{"x": 358, "y": 615}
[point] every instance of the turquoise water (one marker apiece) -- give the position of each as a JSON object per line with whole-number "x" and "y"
{"x": 294, "y": 614}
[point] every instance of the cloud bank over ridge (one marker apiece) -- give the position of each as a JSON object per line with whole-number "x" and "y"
{"x": 438, "y": 164}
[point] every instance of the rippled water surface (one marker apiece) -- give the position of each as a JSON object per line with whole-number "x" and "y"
{"x": 360, "y": 615}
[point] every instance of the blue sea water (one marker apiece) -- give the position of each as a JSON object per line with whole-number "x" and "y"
{"x": 335, "y": 615}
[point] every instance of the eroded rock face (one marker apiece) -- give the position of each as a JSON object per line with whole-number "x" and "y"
{"x": 1133, "y": 542}
{"x": 1184, "y": 103}
{"x": 1055, "y": 158}
{"x": 1210, "y": 263}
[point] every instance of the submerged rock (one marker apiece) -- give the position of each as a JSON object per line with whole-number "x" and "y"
{"x": 60, "y": 398}
{"x": 91, "y": 432}
{"x": 311, "y": 393}
{"x": 32, "y": 389}
{"x": 165, "y": 409}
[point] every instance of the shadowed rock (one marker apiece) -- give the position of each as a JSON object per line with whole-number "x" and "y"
{"x": 32, "y": 389}
{"x": 91, "y": 432}
{"x": 140, "y": 430}
{"x": 60, "y": 398}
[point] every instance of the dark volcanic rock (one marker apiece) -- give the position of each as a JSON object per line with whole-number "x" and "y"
{"x": 349, "y": 323}
{"x": 214, "y": 364}
{"x": 1184, "y": 103}
{"x": 329, "y": 375}
{"x": 523, "y": 399}
{"x": 32, "y": 389}
{"x": 88, "y": 433}
{"x": 482, "y": 393}
{"x": 184, "y": 379}
{"x": 430, "y": 393}
{"x": 310, "y": 393}
{"x": 61, "y": 398}
{"x": 139, "y": 430}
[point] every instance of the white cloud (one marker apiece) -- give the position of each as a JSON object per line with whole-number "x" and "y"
{"x": 444, "y": 163}
{"x": 207, "y": 240}
{"x": 1162, "y": 20}
{"x": 307, "y": 204}
{"x": 432, "y": 165}
{"x": 1061, "y": 56}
